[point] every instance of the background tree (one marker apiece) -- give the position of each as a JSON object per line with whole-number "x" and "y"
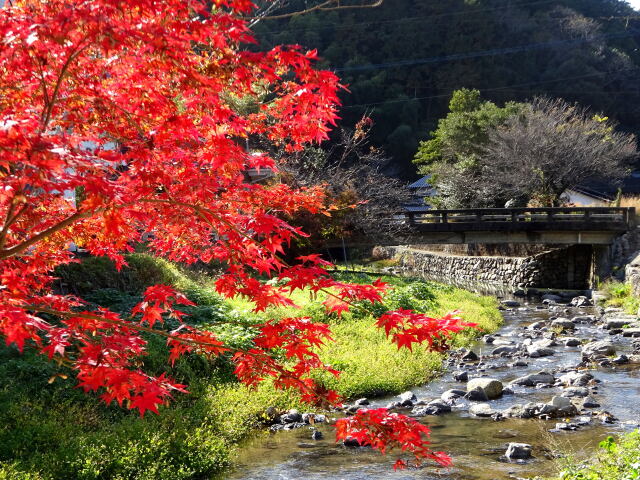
{"x": 553, "y": 146}
{"x": 452, "y": 156}
{"x": 403, "y": 60}
{"x": 364, "y": 199}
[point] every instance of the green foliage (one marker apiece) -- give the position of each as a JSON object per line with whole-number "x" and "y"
{"x": 463, "y": 132}
{"x": 49, "y": 430}
{"x": 409, "y": 52}
{"x": 619, "y": 294}
{"x": 617, "y": 460}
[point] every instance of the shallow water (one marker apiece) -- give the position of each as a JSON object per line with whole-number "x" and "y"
{"x": 475, "y": 444}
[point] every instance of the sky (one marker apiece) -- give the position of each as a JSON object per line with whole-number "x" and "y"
{"x": 635, "y": 4}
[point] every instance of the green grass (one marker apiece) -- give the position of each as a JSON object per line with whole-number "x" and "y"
{"x": 619, "y": 294}
{"x": 616, "y": 460}
{"x": 51, "y": 431}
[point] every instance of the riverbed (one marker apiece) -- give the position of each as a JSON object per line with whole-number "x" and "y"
{"x": 477, "y": 445}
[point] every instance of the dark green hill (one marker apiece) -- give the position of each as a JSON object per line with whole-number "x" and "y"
{"x": 403, "y": 59}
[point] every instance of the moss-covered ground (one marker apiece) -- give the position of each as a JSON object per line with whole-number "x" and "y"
{"x": 54, "y": 431}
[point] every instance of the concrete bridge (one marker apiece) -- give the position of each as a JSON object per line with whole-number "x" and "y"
{"x": 576, "y": 246}
{"x": 552, "y": 226}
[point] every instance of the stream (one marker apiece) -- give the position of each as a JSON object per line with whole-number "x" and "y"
{"x": 477, "y": 445}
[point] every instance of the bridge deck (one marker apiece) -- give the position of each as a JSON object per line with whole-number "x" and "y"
{"x": 590, "y": 219}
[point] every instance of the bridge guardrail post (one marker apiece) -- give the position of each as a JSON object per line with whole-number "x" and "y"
{"x": 444, "y": 217}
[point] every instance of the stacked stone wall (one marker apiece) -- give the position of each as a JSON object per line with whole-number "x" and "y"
{"x": 559, "y": 268}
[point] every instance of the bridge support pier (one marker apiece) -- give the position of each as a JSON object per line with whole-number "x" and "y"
{"x": 601, "y": 264}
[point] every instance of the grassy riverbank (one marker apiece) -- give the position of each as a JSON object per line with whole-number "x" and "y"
{"x": 617, "y": 459}
{"x": 619, "y": 294}
{"x": 51, "y": 430}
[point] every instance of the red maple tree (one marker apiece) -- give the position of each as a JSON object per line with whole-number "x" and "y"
{"x": 118, "y": 121}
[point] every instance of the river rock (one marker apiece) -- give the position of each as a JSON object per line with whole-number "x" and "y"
{"x": 577, "y": 379}
{"x": 537, "y": 325}
{"x": 510, "y": 303}
{"x": 407, "y": 398}
{"x": 584, "y": 319}
{"x": 470, "y": 356}
{"x": 580, "y": 301}
{"x": 292, "y": 416}
{"x": 561, "y": 402}
{"x": 571, "y": 342}
{"x": 361, "y": 401}
{"x": 563, "y": 324}
{"x": 492, "y": 387}
{"x": 518, "y": 411}
{"x": 482, "y": 410}
{"x": 461, "y": 376}
{"x": 544, "y": 343}
{"x": 631, "y": 332}
{"x": 575, "y": 392}
{"x": 350, "y": 442}
{"x": 616, "y": 323}
{"x": 518, "y": 451}
{"x": 535, "y": 351}
{"x": 590, "y": 402}
{"x": 450, "y": 396}
{"x": 620, "y": 360}
{"x": 313, "y": 418}
{"x": 476, "y": 395}
{"x": 505, "y": 350}
{"x": 599, "y": 348}
{"x": 534, "y": 379}
{"x": 435, "y": 407}
{"x": 316, "y": 435}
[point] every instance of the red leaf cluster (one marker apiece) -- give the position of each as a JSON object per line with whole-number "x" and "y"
{"x": 121, "y": 122}
{"x": 406, "y": 327}
{"x": 385, "y": 431}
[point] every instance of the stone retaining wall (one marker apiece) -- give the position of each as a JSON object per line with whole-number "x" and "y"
{"x": 559, "y": 268}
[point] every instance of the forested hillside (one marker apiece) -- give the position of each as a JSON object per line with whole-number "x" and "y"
{"x": 402, "y": 60}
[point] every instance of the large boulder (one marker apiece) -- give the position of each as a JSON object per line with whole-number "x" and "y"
{"x": 476, "y": 395}
{"x": 598, "y": 349}
{"x": 491, "y": 387}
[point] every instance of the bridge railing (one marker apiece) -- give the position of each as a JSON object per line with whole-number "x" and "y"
{"x": 563, "y": 216}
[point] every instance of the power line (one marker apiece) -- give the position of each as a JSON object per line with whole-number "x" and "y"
{"x": 507, "y": 87}
{"x": 485, "y": 53}
{"x": 340, "y": 26}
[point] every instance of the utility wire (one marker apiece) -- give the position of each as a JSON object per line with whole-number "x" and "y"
{"x": 485, "y": 53}
{"x": 470, "y": 11}
{"x": 492, "y": 89}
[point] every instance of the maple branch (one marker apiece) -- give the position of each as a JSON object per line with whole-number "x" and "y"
{"x": 187, "y": 341}
{"x": 10, "y": 219}
{"x": 124, "y": 323}
{"x": 49, "y": 108}
{"x": 21, "y": 247}
{"x": 327, "y": 5}
{"x": 244, "y": 235}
